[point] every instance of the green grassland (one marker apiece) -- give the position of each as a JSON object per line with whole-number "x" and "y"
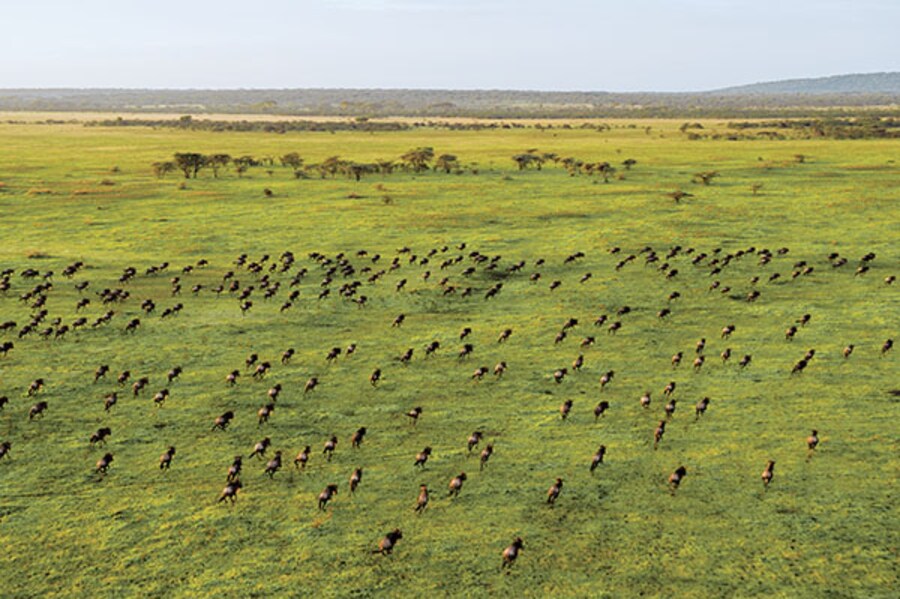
{"x": 827, "y": 527}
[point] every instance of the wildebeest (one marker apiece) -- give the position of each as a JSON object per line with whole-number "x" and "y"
{"x": 473, "y": 440}
{"x": 302, "y": 458}
{"x": 259, "y": 450}
{"x": 273, "y": 465}
{"x": 4, "y": 449}
{"x": 232, "y": 377}
{"x": 100, "y": 436}
{"x": 375, "y": 377}
{"x": 422, "y": 457}
{"x": 387, "y": 544}
{"x": 223, "y": 421}
{"x": 511, "y": 553}
{"x": 645, "y": 400}
{"x": 414, "y": 414}
{"x": 37, "y": 410}
{"x": 486, "y": 454}
{"x": 505, "y": 335}
{"x": 456, "y": 484}
{"x": 325, "y": 496}
{"x": 103, "y": 463}
{"x": 165, "y": 460}
{"x": 230, "y": 491}
{"x": 600, "y": 409}
{"x": 670, "y": 408}
{"x": 329, "y": 447}
{"x": 598, "y": 458}
{"x": 311, "y": 384}
{"x": 355, "y": 479}
{"x": 812, "y": 441}
{"x": 357, "y": 438}
{"x": 235, "y": 469}
{"x": 676, "y": 477}
{"x": 700, "y": 408}
{"x": 768, "y": 473}
{"x": 886, "y": 347}
{"x": 658, "y": 433}
{"x": 554, "y": 490}
{"x": 35, "y": 386}
{"x": 422, "y": 500}
{"x": 264, "y": 413}
{"x": 101, "y": 372}
{"x": 565, "y": 408}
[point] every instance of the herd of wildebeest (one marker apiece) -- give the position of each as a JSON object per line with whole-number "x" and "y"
{"x": 450, "y": 272}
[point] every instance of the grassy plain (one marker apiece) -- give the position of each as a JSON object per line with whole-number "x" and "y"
{"x": 827, "y": 526}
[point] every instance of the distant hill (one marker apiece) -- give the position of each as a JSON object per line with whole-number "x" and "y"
{"x": 843, "y": 94}
{"x": 858, "y": 83}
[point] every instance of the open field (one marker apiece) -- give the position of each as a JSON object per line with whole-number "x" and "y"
{"x": 827, "y": 526}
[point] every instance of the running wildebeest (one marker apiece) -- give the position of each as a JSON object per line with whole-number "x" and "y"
{"x": 456, "y": 484}
{"x": 302, "y": 458}
{"x": 37, "y": 410}
{"x": 326, "y": 495}
{"x": 414, "y": 414}
{"x": 355, "y": 479}
{"x": 223, "y": 421}
{"x": 104, "y": 463}
{"x": 598, "y": 458}
{"x": 329, "y": 447}
{"x": 553, "y": 491}
{"x": 235, "y": 469}
{"x": 658, "y": 433}
{"x": 511, "y": 553}
{"x": 357, "y": 438}
{"x": 473, "y": 440}
{"x": 486, "y": 454}
{"x": 311, "y": 384}
{"x": 259, "y": 450}
{"x": 165, "y": 460}
{"x": 565, "y": 408}
{"x": 422, "y": 500}
{"x": 812, "y": 441}
{"x": 387, "y": 544}
{"x": 600, "y": 409}
{"x": 273, "y": 465}
{"x": 700, "y": 408}
{"x": 4, "y": 449}
{"x": 100, "y": 436}
{"x": 422, "y": 457}
{"x": 768, "y": 473}
{"x": 230, "y": 491}
{"x": 676, "y": 477}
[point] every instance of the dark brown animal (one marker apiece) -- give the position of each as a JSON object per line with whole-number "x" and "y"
{"x": 104, "y": 463}
{"x": 165, "y": 460}
{"x": 456, "y": 484}
{"x": 422, "y": 501}
{"x": 598, "y": 458}
{"x": 554, "y": 490}
{"x": 230, "y": 491}
{"x": 486, "y": 454}
{"x": 676, "y": 477}
{"x": 422, "y": 457}
{"x": 326, "y": 495}
{"x": 511, "y": 553}
{"x": 387, "y": 544}
{"x": 330, "y": 446}
{"x": 768, "y": 473}
{"x": 302, "y": 458}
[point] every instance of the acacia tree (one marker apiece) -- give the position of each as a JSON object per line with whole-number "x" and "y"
{"x": 217, "y": 161}
{"x": 292, "y": 160}
{"x": 190, "y": 163}
{"x": 417, "y": 160}
{"x": 446, "y": 162}
{"x": 161, "y": 169}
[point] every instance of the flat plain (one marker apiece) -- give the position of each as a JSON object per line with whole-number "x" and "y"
{"x": 826, "y": 526}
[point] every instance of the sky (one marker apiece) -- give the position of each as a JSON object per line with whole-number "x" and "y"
{"x": 583, "y": 45}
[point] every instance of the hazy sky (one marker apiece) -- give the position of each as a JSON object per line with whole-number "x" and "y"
{"x": 597, "y": 45}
